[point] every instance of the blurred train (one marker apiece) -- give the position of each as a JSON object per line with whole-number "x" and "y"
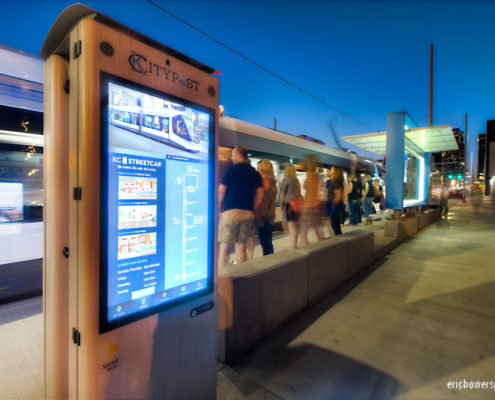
{"x": 167, "y": 125}
{"x": 21, "y": 174}
{"x": 282, "y": 148}
{"x": 21, "y": 161}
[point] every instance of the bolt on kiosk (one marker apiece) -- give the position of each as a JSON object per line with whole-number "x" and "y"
{"x": 129, "y": 282}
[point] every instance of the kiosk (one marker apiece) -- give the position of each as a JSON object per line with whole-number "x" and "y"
{"x": 130, "y": 179}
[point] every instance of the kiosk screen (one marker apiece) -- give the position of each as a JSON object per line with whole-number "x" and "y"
{"x": 157, "y": 182}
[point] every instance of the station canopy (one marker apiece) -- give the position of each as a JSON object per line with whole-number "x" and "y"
{"x": 418, "y": 140}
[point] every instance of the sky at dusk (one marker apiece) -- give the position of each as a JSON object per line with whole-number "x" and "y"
{"x": 362, "y": 58}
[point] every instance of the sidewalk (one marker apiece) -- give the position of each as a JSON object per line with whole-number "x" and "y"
{"x": 414, "y": 321}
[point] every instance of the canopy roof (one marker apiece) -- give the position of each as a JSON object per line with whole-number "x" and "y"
{"x": 418, "y": 140}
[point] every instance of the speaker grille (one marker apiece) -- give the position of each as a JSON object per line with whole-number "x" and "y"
{"x": 106, "y": 48}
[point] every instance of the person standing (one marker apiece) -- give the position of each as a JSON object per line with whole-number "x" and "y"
{"x": 377, "y": 197}
{"x": 368, "y": 198}
{"x": 291, "y": 202}
{"x": 265, "y": 213}
{"x": 354, "y": 196}
{"x": 239, "y": 193}
{"x": 335, "y": 195}
{"x": 345, "y": 194}
{"x": 476, "y": 198}
{"x": 312, "y": 209}
{"x": 444, "y": 203}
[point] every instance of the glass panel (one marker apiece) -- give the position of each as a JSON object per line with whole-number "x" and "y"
{"x": 21, "y": 183}
{"x": 157, "y": 199}
{"x": 410, "y": 177}
{"x": 18, "y": 120}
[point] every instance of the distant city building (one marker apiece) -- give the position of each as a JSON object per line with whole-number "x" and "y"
{"x": 452, "y": 164}
{"x": 481, "y": 156}
{"x": 490, "y": 154}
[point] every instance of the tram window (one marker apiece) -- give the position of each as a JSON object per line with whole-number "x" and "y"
{"x": 21, "y": 183}
{"x": 127, "y": 117}
{"x": 180, "y": 128}
{"x": 165, "y": 124}
{"x": 135, "y": 118}
{"x": 156, "y": 123}
{"x": 147, "y": 121}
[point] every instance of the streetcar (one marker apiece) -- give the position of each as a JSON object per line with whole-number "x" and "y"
{"x": 282, "y": 148}
{"x": 168, "y": 126}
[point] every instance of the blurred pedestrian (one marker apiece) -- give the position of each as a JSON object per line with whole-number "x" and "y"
{"x": 476, "y": 198}
{"x": 291, "y": 202}
{"x": 239, "y": 193}
{"x": 312, "y": 208}
{"x": 367, "y": 198}
{"x": 354, "y": 197}
{"x": 335, "y": 200}
{"x": 444, "y": 203}
{"x": 265, "y": 212}
{"x": 377, "y": 198}
{"x": 345, "y": 193}
{"x": 492, "y": 194}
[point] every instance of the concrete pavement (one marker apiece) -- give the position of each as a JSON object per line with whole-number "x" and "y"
{"x": 411, "y": 326}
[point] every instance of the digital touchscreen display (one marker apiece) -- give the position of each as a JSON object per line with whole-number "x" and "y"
{"x": 157, "y": 183}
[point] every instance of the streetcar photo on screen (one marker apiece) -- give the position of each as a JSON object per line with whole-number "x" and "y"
{"x": 156, "y": 165}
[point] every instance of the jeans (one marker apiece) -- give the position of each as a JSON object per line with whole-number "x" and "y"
{"x": 354, "y": 211}
{"x": 265, "y": 236}
{"x": 367, "y": 207}
{"x": 335, "y": 218}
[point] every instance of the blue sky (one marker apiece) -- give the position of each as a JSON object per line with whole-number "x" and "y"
{"x": 363, "y": 58}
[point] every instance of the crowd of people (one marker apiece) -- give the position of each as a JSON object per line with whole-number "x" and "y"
{"x": 247, "y": 204}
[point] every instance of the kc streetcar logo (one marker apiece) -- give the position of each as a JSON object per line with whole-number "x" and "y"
{"x": 140, "y": 63}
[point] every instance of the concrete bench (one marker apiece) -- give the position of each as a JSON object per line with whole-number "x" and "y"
{"x": 433, "y": 215}
{"x": 328, "y": 267}
{"x": 361, "y": 249}
{"x": 383, "y": 244}
{"x": 410, "y": 225}
{"x": 423, "y": 220}
{"x": 257, "y": 298}
{"x": 401, "y": 229}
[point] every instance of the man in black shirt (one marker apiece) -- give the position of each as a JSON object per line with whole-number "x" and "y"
{"x": 239, "y": 193}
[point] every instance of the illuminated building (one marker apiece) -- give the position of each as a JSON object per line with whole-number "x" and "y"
{"x": 481, "y": 156}
{"x": 451, "y": 164}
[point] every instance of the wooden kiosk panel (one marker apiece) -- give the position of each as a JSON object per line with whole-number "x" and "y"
{"x": 56, "y": 229}
{"x": 166, "y": 355}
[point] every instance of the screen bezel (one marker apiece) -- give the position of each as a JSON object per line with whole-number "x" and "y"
{"x": 104, "y": 324}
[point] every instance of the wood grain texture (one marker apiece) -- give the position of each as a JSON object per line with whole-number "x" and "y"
{"x": 56, "y": 228}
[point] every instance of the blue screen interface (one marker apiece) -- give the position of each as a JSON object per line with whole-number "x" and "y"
{"x": 156, "y": 202}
